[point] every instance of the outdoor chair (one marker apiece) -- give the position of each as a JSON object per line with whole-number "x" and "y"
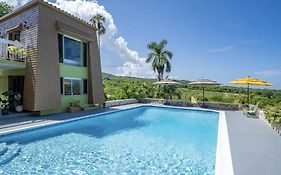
{"x": 251, "y": 111}
{"x": 194, "y": 102}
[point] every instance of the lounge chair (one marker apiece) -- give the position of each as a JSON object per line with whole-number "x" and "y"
{"x": 251, "y": 111}
{"x": 194, "y": 102}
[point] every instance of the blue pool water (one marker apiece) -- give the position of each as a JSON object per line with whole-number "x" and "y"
{"x": 142, "y": 140}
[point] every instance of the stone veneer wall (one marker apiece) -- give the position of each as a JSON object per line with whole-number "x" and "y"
{"x": 184, "y": 103}
{"x": 28, "y": 38}
{"x": 120, "y": 102}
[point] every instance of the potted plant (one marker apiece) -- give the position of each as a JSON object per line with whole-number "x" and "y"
{"x": 74, "y": 106}
{"x": 11, "y": 103}
{"x": 13, "y": 100}
{"x": 4, "y": 104}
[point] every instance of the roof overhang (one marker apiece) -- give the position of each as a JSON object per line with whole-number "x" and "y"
{"x": 42, "y": 2}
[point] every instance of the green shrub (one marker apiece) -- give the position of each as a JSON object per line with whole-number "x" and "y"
{"x": 273, "y": 114}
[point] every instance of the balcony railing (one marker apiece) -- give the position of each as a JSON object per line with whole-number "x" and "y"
{"x": 12, "y": 50}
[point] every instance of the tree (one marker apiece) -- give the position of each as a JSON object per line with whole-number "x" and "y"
{"x": 5, "y": 8}
{"x": 159, "y": 58}
{"x": 98, "y": 21}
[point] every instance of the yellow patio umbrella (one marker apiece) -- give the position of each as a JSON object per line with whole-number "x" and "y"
{"x": 250, "y": 81}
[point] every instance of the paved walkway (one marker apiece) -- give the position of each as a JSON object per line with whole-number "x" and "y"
{"x": 13, "y": 122}
{"x": 255, "y": 147}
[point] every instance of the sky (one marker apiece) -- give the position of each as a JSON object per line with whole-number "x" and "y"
{"x": 221, "y": 40}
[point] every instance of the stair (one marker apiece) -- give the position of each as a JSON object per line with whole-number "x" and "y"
{"x": 8, "y": 152}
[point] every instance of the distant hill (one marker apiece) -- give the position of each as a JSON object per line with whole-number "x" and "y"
{"x": 111, "y": 76}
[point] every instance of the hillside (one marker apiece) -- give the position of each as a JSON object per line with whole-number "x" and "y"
{"x": 121, "y": 87}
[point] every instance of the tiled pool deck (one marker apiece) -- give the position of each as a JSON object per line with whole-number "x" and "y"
{"x": 255, "y": 147}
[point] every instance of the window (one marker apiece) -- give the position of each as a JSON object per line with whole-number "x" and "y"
{"x": 85, "y": 86}
{"x": 72, "y": 86}
{"x": 15, "y": 35}
{"x": 60, "y": 40}
{"x": 61, "y": 85}
{"x": 72, "y": 51}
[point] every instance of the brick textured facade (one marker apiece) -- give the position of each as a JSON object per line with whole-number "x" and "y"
{"x": 42, "y": 83}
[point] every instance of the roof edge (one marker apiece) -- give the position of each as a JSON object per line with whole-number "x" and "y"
{"x": 37, "y": 2}
{"x": 19, "y": 10}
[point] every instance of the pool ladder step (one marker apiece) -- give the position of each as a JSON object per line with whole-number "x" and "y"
{"x": 8, "y": 152}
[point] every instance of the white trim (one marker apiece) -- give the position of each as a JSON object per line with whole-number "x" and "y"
{"x": 70, "y": 78}
{"x": 223, "y": 163}
{"x": 223, "y": 157}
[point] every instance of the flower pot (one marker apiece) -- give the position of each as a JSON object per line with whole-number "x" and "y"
{"x": 5, "y": 111}
{"x": 74, "y": 109}
{"x": 19, "y": 108}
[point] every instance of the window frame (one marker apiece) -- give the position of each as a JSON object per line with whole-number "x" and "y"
{"x": 71, "y": 85}
{"x": 82, "y": 54}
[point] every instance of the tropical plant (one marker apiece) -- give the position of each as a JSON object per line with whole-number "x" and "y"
{"x": 273, "y": 114}
{"x": 98, "y": 21}
{"x": 159, "y": 58}
{"x": 5, "y": 8}
{"x": 17, "y": 51}
{"x": 11, "y": 102}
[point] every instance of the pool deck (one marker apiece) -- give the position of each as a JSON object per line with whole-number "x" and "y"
{"x": 255, "y": 147}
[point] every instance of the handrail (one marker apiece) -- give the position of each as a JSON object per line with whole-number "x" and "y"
{"x": 12, "y": 50}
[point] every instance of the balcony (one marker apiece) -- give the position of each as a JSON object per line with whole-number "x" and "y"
{"x": 13, "y": 54}
{"x": 12, "y": 50}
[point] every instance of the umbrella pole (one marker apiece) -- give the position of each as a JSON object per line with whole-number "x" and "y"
{"x": 248, "y": 94}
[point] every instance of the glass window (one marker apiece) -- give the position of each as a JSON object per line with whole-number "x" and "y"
{"x": 14, "y": 36}
{"x": 72, "y": 51}
{"x": 72, "y": 86}
{"x": 67, "y": 87}
{"x": 76, "y": 87}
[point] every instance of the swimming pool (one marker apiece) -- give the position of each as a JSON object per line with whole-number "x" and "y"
{"x": 141, "y": 140}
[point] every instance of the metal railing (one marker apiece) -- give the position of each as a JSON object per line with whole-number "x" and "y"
{"x": 12, "y": 50}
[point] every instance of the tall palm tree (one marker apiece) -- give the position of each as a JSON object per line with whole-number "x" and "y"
{"x": 159, "y": 58}
{"x": 98, "y": 21}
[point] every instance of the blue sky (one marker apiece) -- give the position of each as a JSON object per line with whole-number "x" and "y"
{"x": 221, "y": 40}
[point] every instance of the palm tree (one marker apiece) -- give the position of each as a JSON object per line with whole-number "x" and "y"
{"x": 98, "y": 20}
{"x": 159, "y": 58}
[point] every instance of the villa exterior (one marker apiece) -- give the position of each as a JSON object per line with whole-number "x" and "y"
{"x": 62, "y": 61}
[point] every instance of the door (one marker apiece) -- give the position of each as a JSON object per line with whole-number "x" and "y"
{"x": 16, "y": 84}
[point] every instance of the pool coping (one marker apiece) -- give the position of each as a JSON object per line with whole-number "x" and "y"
{"x": 223, "y": 163}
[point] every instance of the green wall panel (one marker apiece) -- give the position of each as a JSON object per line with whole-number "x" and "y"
{"x": 73, "y": 71}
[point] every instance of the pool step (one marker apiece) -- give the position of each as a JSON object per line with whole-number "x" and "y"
{"x": 8, "y": 152}
{"x": 3, "y": 148}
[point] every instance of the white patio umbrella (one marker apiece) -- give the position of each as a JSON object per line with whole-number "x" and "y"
{"x": 166, "y": 82}
{"x": 204, "y": 82}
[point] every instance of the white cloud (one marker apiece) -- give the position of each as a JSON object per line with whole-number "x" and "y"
{"x": 222, "y": 49}
{"x": 268, "y": 73}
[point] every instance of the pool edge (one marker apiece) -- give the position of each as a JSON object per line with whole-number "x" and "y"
{"x": 223, "y": 162}
{"x": 223, "y": 155}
